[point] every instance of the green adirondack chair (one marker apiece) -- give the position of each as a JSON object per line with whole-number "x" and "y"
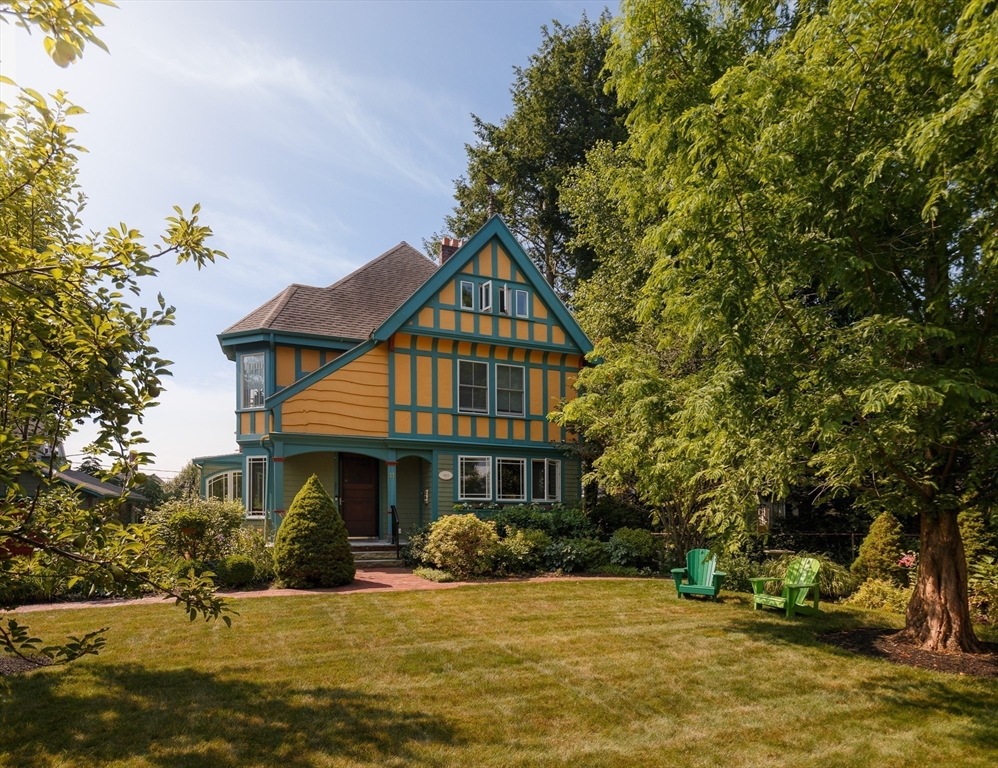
{"x": 700, "y": 575}
{"x": 802, "y": 578}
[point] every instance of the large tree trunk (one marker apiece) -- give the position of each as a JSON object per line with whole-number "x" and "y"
{"x": 938, "y": 617}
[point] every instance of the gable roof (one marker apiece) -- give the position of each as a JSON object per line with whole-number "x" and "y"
{"x": 81, "y": 481}
{"x": 348, "y": 309}
{"x": 495, "y": 227}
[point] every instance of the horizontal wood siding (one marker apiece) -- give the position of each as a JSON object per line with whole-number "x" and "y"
{"x": 350, "y": 401}
{"x": 570, "y": 476}
{"x": 408, "y": 493}
{"x": 445, "y": 488}
{"x": 298, "y": 469}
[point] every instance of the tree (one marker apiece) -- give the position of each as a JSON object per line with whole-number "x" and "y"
{"x": 311, "y": 548}
{"x": 561, "y": 108}
{"x": 185, "y": 484}
{"x": 880, "y": 552}
{"x": 825, "y": 268}
{"x": 73, "y": 348}
{"x": 91, "y": 465}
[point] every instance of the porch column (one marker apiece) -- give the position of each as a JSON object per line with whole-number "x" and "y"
{"x": 392, "y": 466}
{"x": 275, "y": 491}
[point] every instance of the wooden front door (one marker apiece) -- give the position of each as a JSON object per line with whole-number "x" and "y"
{"x": 359, "y": 494}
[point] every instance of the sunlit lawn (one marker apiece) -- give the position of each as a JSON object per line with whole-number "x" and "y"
{"x": 590, "y": 673}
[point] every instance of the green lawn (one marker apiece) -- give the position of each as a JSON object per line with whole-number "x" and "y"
{"x": 570, "y": 673}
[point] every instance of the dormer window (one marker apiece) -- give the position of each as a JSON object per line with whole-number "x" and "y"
{"x": 252, "y": 374}
{"x": 485, "y": 297}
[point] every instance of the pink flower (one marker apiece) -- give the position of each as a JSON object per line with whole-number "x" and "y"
{"x": 908, "y": 560}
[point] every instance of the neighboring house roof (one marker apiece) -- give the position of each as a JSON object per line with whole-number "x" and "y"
{"x": 349, "y": 309}
{"x": 81, "y": 481}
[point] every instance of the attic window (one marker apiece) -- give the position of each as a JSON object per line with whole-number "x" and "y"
{"x": 504, "y": 302}
{"x": 485, "y": 297}
{"x": 467, "y": 295}
{"x": 522, "y": 310}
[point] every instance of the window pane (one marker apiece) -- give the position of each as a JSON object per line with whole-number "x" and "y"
{"x": 237, "y": 487}
{"x": 537, "y": 486}
{"x": 475, "y": 477}
{"x": 468, "y": 295}
{"x": 466, "y": 372}
{"x": 515, "y": 402}
{"x": 216, "y": 488}
{"x": 480, "y": 399}
{"x": 502, "y": 401}
{"x": 553, "y": 479}
{"x": 521, "y": 303}
{"x": 253, "y": 381}
{"x": 481, "y": 374}
{"x": 516, "y": 378}
{"x": 466, "y": 400}
{"x": 256, "y": 489}
{"x": 504, "y": 301}
{"x": 510, "y": 479}
{"x": 502, "y": 376}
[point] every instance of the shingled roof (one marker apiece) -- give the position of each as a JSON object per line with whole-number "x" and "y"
{"x": 350, "y": 308}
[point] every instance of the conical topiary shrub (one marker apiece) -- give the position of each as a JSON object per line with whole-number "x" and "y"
{"x": 311, "y": 548}
{"x": 880, "y": 551}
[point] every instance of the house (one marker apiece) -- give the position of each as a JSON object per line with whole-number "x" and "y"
{"x": 408, "y": 383}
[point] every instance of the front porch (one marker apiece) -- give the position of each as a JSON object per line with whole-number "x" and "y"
{"x": 364, "y": 486}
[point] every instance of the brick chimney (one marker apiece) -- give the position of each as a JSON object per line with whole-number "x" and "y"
{"x": 448, "y": 247}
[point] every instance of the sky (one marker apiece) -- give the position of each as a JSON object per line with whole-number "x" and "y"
{"x": 315, "y": 136}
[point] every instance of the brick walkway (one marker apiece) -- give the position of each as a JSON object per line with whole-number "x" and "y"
{"x": 368, "y": 580}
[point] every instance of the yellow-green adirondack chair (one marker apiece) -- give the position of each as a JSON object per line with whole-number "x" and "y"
{"x": 701, "y": 578}
{"x": 801, "y": 578}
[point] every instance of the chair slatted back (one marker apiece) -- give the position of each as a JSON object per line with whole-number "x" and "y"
{"x": 803, "y": 570}
{"x": 700, "y": 565}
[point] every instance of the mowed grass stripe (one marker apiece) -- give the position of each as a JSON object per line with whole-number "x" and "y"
{"x": 573, "y": 673}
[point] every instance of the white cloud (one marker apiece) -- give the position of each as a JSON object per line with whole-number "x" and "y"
{"x": 359, "y": 123}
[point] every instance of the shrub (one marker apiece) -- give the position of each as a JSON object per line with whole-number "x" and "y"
{"x": 251, "y": 543}
{"x": 236, "y": 571}
{"x": 834, "y": 580}
{"x": 739, "y": 569}
{"x": 881, "y": 595}
{"x": 462, "y": 544}
{"x": 575, "y": 555}
{"x": 311, "y": 548}
{"x": 983, "y": 590}
{"x": 634, "y": 547}
{"x": 558, "y": 522}
{"x": 198, "y": 529}
{"x": 611, "y": 513}
{"x": 182, "y": 568}
{"x": 521, "y": 552}
{"x": 413, "y": 552}
{"x": 880, "y": 551}
{"x": 433, "y": 574}
{"x": 619, "y": 570}
{"x": 977, "y": 539}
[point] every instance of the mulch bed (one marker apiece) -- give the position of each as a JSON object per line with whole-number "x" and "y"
{"x": 895, "y": 647}
{"x": 12, "y": 665}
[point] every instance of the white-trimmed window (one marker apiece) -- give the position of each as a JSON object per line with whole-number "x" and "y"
{"x": 253, "y": 380}
{"x": 472, "y": 387}
{"x": 511, "y": 479}
{"x": 545, "y": 480}
{"x": 475, "y": 478}
{"x": 467, "y": 295}
{"x": 485, "y": 297}
{"x": 227, "y": 486}
{"x": 505, "y": 296}
{"x": 509, "y": 390}
{"x": 256, "y": 499}
{"x": 522, "y": 308}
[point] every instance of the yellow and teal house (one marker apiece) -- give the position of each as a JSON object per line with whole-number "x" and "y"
{"x": 409, "y": 383}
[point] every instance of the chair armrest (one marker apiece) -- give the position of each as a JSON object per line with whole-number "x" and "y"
{"x": 766, "y": 578}
{"x": 679, "y": 571}
{"x": 802, "y": 586}
{"x": 721, "y": 573}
